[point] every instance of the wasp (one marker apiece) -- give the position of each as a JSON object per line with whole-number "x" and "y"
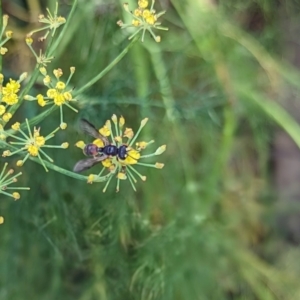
{"x": 98, "y": 153}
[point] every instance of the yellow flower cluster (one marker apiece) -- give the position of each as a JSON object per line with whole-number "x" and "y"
{"x": 6, "y": 37}
{"x": 6, "y": 180}
{"x": 9, "y": 95}
{"x": 31, "y": 144}
{"x": 144, "y": 19}
{"x": 57, "y": 93}
{"x": 114, "y": 164}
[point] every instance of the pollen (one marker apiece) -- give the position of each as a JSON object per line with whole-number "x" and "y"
{"x": 33, "y": 150}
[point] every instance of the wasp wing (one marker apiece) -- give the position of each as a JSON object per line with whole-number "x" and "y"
{"x": 90, "y": 129}
{"x": 87, "y": 163}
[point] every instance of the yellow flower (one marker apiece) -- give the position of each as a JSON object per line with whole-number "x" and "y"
{"x": 10, "y": 99}
{"x": 51, "y": 93}
{"x": 32, "y": 144}
{"x": 59, "y": 99}
{"x": 8, "y": 179}
{"x": 104, "y": 131}
{"x": 143, "y": 19}
{"x": 41, "y": 101}
{"x": 132, "y": 157}
{"x": 11, "y": 87}
{"x": 119, "y": 166}
{"x": 16, "y": 126}
{"x": 142, "y": 3}
{"x": 6, "y": 117}
{"x": 33, "y": 150}
{"x": 2, "y": 109}
{"x": 98, "y": 143}
{"x": 40, "y": 141}
{"x": 3, "y": 50}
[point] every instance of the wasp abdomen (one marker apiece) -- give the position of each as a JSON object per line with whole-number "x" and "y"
{"x": 122, "y": 152}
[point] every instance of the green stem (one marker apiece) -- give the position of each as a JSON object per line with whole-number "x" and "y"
{"x": 62, "y": 33}
{"x": 107, "y": 69}
{"x": 274, "y": 111}
{"x": 52, "y": 166}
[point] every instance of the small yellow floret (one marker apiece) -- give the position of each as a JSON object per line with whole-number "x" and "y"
{"x": 91, "y": 178}
{"x": 80, "y": 144}
{"x": 60, "y": 85}
{"x": 47, "y": 80}
{"x": 40, "y": 141}
{"x": 3, "y": 50}
{"x": 59, "y": 99}
{"x": 137, "y": 12}
{"x": 1, "y": 220}
{"x": 105, "y": 131}
{"x": 98, "y": 143}
{"x": 16, "y": 126}
{"x": 132, "y": 157}
{"x": 135, "y": 23}
{"x": 51, "y": 93}
{"x": 33, "y": 150}
{"x": 43, "y": 71}
{"x": 58, "y": 73}
{"x": 65, "y": 145}
{"x": 121, "y": 121}
{"x": 6, "y": 153}
{"x": 2, "y": 110}
{"x": 161, "y": 150}
{"x": 107, "y": 163}
{"x": 68, "y": 96}
{"x": 6, "y": 117}
{"x": 29, "y": 40}
{"x": 63, "y": 125}
{"x": 41, "y": 101}
{"x": 19, "y": 163}
{"x": 159, "y": 165}
{"x": 142, "y": 3}
{"x": 16, "y": 195}
{"x": 121, "y": 176}
{"x": 8, "y": 34}
{"x": 128, "y": 133}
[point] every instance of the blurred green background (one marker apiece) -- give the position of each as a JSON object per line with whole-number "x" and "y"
{"x": 220, "y": 220}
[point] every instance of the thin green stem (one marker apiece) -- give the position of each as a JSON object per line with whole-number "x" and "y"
{"x": 62, "y": 33}
{"x": 107, "y": 69}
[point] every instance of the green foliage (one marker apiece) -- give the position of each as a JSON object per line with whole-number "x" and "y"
{"x": 200, "y": 228}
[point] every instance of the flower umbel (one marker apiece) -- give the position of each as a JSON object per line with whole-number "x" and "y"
{"x": 9, "y": 94}
{"x": 7, "y": 179}
{"x": 57, "y": 94}
{"x": 4, "y": 36}
{"x": 32, "y": 144}
{"x": 52, "y": 23}
{"x": 144, "y": 19}
{"x": 123, "y": 168}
